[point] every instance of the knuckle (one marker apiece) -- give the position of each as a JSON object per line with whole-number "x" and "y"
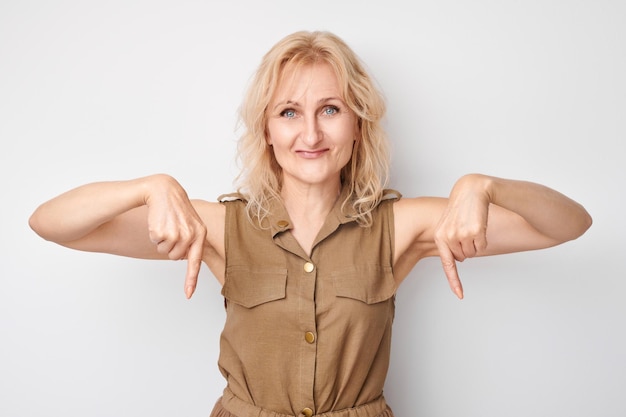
{"x": 184, "y": 235}
{"x": 155, "y": 235}
{"x": 175, "y": 255}
{"x": 441, "y": 238}
{"x": 465, "y": 234}
{"x": 448, "y": 265}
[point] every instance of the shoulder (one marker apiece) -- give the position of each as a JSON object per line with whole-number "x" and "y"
{"x": 207, "y": 209}
{"x": 213, "y": 215}
{"x": 418, "y": 209}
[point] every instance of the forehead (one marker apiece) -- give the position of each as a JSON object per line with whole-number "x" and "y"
{"x": 309, "y": 79}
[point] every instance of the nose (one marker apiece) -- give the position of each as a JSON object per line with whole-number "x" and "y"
{"x": 312, "y": 134}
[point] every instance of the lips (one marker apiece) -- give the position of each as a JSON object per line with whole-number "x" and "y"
{"x": 311, "y": 154}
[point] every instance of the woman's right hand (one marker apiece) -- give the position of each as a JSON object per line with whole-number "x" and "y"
{"x": 175, "y": 227}
{"x": 150, "y": 218}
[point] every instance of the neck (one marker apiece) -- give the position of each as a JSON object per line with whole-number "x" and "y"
{"x": 311, "y": 202}
{"x": 308, "y": 208}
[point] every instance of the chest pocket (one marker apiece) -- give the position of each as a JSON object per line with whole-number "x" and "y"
{"x": 252, "y": 287}
{"x": 367, "y": 283}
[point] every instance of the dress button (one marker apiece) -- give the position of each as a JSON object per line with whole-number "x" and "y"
{"x": 282, "y": 223}
{"x": 307, "y": 412}
{"x": 309, "y": 337}
{"x": 308, "y": 267}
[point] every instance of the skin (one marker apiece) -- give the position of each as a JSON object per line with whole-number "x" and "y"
{"x": 312, "y": 132}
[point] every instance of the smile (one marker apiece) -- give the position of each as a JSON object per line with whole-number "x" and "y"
{"x": 311, "y": 154}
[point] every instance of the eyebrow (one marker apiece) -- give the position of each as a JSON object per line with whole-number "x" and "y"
{"x": 295, "y": 103}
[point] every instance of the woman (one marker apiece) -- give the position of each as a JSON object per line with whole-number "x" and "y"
{"x": 312, "y": 249}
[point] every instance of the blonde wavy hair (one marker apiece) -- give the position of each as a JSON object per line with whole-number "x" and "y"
{"x": 367, "y": 172}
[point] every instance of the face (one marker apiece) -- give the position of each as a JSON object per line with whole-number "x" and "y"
{"x": 310, "y": 128}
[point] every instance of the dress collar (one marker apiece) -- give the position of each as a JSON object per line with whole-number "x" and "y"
{"x": 341, "y": 213}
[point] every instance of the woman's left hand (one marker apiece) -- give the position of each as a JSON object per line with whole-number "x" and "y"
{"x": 482, "y": 216}
{"x": 462, "y": 229}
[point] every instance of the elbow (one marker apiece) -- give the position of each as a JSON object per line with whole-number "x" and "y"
{"x": 38, "y": 224}
{"x": 34, "y": 222}
{"x": 574, "y": 229}
{"x": 583, "y": 224}
{"x": 587, "y": 222}
{"x": 576, "y": 224}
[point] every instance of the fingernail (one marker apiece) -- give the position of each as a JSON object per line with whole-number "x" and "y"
{"x": 189, "y": 292}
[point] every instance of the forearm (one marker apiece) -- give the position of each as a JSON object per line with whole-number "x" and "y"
{"x": 75, "y": 213}
{"x": 551, "y": 213}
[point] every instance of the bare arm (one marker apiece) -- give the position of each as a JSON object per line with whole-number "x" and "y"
{"x": 149, "y": 217}
{"x": 484, "y": 216}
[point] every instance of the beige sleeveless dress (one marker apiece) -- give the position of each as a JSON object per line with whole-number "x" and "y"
{"x": 307, "y": 335}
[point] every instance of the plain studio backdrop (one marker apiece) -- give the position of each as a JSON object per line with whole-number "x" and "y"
{"x": 93, "y": 91}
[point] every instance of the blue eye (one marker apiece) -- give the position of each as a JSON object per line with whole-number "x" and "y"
{"x": 330, "y": 110}
{"x": 289, "y": 113}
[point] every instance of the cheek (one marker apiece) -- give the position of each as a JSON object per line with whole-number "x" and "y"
{"x": 346, "y": 135}
{"x": 276, "y": 133}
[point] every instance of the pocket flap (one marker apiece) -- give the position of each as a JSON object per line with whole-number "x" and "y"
{"x": 368, "y": 283}
{"x": 251, "y": 288}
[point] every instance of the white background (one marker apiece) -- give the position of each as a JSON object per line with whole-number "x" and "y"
{"x": 95, "y": 91}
